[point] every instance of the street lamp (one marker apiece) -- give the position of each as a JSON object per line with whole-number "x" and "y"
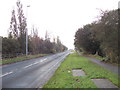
{"x": 27, "y": 35}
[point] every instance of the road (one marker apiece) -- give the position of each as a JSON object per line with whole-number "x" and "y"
{"x": 32, "y": 73}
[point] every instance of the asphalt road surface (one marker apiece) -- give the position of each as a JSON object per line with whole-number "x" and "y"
{"x": 32, "y": 73}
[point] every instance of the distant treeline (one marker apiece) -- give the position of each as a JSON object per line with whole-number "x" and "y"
{"x": 15, "y": 43}
{"x": 101, "y": 37}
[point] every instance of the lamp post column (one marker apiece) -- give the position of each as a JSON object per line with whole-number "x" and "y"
{"x": 27, "y": 33}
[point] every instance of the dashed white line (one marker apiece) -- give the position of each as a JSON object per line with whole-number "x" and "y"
{"x": 24, "y": 68}
{"x": 43, "y": 60}
{"x": 35, "y": 63}
{"x": 6, "y": 74}
{"x": 28, "y": 66}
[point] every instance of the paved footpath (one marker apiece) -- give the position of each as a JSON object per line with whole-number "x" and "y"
{"x": 104, "y": 83}
{"x": 112, "y": 68}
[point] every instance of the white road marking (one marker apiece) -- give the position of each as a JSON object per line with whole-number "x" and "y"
{"x": 24, "y": 68}
{"x": 32, "y": 65}
{"x": 28, "y": 66}
{"x": 44, "y": 74}
{"x": 35, "y": 63}
{"x": 43, "y": 60}
{"x": 56, "y": 64}
{"x": 53, "y": 66}
{"x": 6, "y": 74}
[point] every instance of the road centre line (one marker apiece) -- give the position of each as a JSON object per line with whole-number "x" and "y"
{"x": 43, "y": 60}
{"x": 24, "y": 67}
{"x": 35, "y": 63}
{"x": 6, "y": 74}
{"x": 28, "y": 65}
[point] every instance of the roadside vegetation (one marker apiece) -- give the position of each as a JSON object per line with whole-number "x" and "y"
{"x": 63, "y": 76}
{"x": 100, "y": 37}
{"x": 102, "y": 59}
{"x": 20, "y": 58}
{"x": 15, "y": 44}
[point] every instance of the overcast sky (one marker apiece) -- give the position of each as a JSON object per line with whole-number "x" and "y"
{"x": 59, "y": 17}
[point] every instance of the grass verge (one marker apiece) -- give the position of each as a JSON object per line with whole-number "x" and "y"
{"x": 98, "y": 57}
{"x": 63, "y": 76}
{"x": 102, "y": 58}
{"x": 22, "y": 58}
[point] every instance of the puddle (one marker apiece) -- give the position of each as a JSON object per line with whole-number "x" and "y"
{"x": 103, "y": 83}
{"x": 78, "y": 72}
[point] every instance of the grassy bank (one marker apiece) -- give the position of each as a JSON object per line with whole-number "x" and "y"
{"x": 102, "y": 59}
{"x": 17, "y": 59}
{"x": 63, "y": 76}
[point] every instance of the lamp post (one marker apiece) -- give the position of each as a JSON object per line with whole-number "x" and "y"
{"x": 27, "y": 35}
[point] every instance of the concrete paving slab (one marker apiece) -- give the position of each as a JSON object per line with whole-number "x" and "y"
{"x": 78, "y": 72}
{"x": 103, "y": 83}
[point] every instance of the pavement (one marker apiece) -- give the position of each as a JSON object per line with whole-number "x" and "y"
{"x": 110, "y": 67}
{"x": 104, "y": 83}
{"x": 32, "y": 73}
